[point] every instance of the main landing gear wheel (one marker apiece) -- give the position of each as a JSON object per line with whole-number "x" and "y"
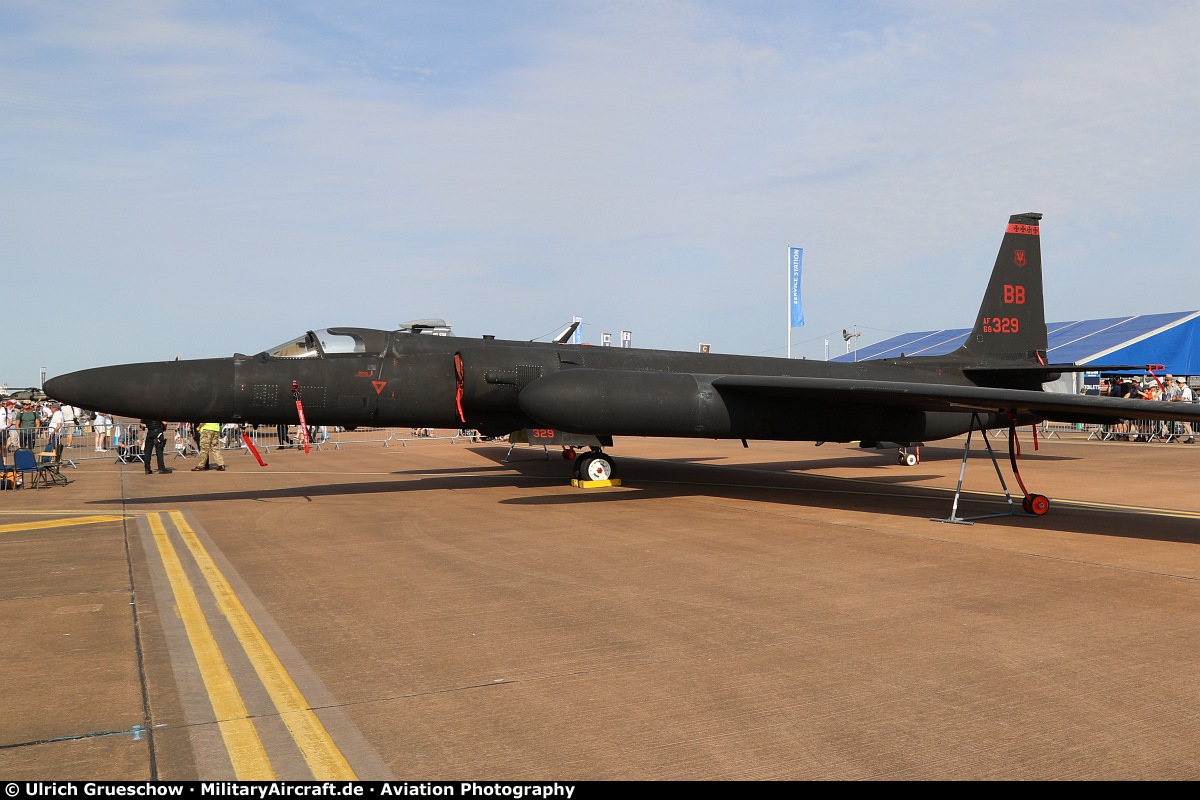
{"x": 1035, "y": 504}
{"x": 594, "y": 467}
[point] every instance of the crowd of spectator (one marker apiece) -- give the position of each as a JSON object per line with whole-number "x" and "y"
{"x": 48, "y": 425}
{"x": 1169, "y": 389}
{"x": 26, "y": 423}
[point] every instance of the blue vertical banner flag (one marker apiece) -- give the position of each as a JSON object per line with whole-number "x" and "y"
{"x": 795, "y": 259}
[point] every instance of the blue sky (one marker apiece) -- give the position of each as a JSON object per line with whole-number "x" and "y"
{"x": 194, "y": 179}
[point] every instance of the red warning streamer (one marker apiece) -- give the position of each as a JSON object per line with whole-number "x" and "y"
{"x": 1014, "y": 451}
{"x": 253, "y": 449}
{"x": 1150, "y": 368}
{"x": 460, "y": 377}
{"x": 300, "y": 411}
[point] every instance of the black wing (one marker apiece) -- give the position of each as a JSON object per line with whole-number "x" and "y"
{"x": 1054, "y": 406}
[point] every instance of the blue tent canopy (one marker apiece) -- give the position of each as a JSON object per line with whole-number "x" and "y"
{"x": 1171, "y": 339}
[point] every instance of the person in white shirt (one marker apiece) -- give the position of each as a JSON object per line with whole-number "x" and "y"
{"x": 54, "y": 429}
{"x": 1183, "y": 394}
{"x": 102, "y": 425}
{"x": 70, "y": 422}
{"x": 5, "y": 424}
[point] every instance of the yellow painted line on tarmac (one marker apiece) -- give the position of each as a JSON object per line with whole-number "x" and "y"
{"x": 1149, "y": 510}
{"x": 56, "y": 523}
{"x": 246, "y": 751}
{"x": 324, "y": 758}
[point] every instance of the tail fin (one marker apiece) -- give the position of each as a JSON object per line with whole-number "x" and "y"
{"x": 1011, "y": 326}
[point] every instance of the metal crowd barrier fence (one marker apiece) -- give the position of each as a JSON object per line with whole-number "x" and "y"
{"x": 1141, "y": 430}
{"x": 81, "y": 441}
{"x": 184, "y": 440}
{"x": 1134, "y": 430}
{"x": 123, "y": 441}
{"x": 339, "y": 437}
{"x": 277, "y": 437}
{"x": 415, "y": 435}
{"x": 267, "y": 438}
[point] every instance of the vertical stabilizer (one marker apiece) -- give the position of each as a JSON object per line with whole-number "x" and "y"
{"x": 1011, "y": 325}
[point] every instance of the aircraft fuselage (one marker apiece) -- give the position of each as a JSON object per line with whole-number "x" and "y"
{"x": 499, "y": 386}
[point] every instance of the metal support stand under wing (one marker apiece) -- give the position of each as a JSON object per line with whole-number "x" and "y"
{"x": 1032, "y": 504}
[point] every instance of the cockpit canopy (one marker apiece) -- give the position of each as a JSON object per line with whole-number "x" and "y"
{"x": 332, "y": 341}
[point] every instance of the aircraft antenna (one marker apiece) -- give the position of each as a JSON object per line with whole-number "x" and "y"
{"x": 567, "y": 329}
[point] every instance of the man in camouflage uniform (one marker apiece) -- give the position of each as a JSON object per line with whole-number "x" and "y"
{"x": 210, "y": 447}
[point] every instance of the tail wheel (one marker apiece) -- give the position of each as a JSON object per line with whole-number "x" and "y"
{"x": 598, "y": 467}
{"x": 1038, "y": 504}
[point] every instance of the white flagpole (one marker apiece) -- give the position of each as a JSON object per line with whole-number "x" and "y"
{"x": 789, "y": 303}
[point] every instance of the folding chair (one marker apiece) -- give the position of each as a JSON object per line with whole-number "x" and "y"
{"x": 5, "y": 485}
{"x": 26, "y": 466}
{"x": 50, "y": 465}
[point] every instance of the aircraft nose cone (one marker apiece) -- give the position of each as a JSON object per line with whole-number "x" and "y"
{"x": 62, "y": 388}
{"x": 171, "y": 390}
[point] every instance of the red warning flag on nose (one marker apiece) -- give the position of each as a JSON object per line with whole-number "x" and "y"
{"x": 300, "y": 412}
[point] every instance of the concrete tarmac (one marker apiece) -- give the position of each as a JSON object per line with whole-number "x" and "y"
{"x": 433, "y": 612}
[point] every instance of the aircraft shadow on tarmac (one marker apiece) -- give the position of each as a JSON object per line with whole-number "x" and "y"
{"x": 649, "y": 479}
{"x": 773, "y": 482}
{"x": 884, "y": 460}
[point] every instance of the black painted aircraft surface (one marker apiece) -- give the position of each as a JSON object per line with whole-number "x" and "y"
{"x": 358, "y": 377}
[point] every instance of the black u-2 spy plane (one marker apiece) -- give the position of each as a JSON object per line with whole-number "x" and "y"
{"x": 361, "y": 377}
